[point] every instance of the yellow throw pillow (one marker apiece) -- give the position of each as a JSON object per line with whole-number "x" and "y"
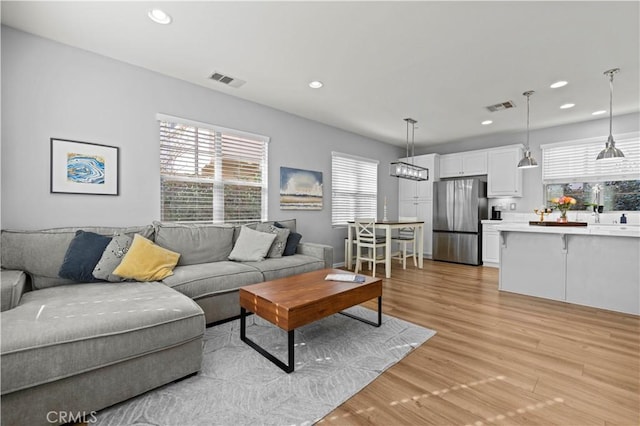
{"x": 146, "y": 261}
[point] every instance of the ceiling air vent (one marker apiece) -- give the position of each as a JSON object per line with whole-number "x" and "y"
{"x": 501, "y": 106}
{"x": 225, "y": 79}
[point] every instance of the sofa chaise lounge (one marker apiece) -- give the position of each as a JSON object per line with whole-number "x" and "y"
{"x": 69, "y": 349}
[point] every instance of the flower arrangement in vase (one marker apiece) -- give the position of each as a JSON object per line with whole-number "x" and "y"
{"x": 563, "y": 204}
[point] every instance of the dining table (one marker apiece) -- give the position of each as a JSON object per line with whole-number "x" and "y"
{"x": 387, "y": 226}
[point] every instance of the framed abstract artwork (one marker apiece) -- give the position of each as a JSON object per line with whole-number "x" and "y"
{"x": 84, "y": 168}
{"x": 300, "y": 189}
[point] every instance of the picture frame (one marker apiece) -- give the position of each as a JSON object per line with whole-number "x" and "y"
{"x": 84, "y": 168}
{"x": 300, "y": 189}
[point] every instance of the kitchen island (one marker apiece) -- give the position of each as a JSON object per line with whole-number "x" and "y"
{"x": 595, "y": 265}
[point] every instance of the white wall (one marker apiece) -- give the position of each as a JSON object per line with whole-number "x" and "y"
{"x": 532, "y": 178}
{"x": 53, "y": 90}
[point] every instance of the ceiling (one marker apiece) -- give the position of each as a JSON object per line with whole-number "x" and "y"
{"x": 440, "y": 63}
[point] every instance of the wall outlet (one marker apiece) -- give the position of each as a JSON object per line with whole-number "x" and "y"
{"x": 512, "y": 206}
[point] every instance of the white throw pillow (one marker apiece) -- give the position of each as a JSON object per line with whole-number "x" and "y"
{"x": 251, "y": 246}
{"x": 278, "y": 246}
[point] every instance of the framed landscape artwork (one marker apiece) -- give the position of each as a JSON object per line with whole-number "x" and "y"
{"x": 300, "y": 189}
{"x": 84, "y": 168}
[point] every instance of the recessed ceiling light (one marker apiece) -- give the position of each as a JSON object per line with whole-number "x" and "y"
{"x": 486, "y": 122}
{"x": 598, "y": 112}
{"x": 567, "y": 106}
{"x": 159, "y": 16}
{"x": 557, "y": 84}
{"x": 316, "y": 84}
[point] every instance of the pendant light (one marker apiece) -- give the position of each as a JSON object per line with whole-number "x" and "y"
{"x": 406, "y": 170}
{"x": 528, "y": 162}
{"x": 610, "y": 152}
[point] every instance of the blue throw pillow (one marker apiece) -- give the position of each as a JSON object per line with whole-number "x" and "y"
{"x": 83, "y": 254}
{"x": 292, "y": 241}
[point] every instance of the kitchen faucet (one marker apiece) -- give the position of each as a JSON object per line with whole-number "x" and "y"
{"x": 596, "y": 213}
{"x": 597, "y": 208}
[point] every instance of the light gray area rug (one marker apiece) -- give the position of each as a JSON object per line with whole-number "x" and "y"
{"x": 335, "y": 358}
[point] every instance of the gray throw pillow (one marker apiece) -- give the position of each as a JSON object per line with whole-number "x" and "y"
{"x": 112, "y": 257}
{"x": 279, "y": 244}
{"x": 251, "y": 246}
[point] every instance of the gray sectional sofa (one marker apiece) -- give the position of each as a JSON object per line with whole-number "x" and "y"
{"x": 69, "y": 349}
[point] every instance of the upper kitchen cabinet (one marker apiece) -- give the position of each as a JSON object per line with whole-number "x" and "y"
{"x": 504, "y": 178}
{"x": 471, "y": 163}
{"x": 419, "y": 190}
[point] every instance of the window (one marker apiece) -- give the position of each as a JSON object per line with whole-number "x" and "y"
{"x": 211, "y": 174}
{"x": 621, "y": 195}
{"x": 354, "y": 182}
{"x": 571, "y": 169}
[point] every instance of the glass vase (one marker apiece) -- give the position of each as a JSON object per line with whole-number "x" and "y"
{"x": 563, "y": 216}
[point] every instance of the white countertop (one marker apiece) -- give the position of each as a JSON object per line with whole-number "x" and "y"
{"x": 618, "y": 230}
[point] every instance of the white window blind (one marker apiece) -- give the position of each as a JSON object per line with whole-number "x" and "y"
{"x": 576, "y": 161}
{"x": 211, "y": 174}
{"x": 354, "y": 182}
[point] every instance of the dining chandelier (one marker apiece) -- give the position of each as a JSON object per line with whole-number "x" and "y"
{"x": 404, "y": 169}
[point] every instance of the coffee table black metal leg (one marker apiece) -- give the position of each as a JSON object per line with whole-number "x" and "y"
{"x": 243, "y": 336}
{"x": 366, "y": 321}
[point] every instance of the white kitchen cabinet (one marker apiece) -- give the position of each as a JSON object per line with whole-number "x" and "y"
{"x": 490, "y": 246}
{"x": 407, "y": 189}
{"x": 471, "y": 163}
{"x": 415, "y": 198}
{"x": 504, "y": 178}
{"x": 423, "y": 210}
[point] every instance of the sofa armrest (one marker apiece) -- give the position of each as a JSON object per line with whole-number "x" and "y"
{"x": 12, "y": 284}
{"x": 321, "y": 251}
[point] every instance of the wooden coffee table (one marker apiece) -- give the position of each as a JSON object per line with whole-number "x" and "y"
{"x": 301, "y": 299}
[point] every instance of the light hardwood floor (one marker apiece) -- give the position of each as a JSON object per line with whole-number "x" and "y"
{"x": 499, "y": 358}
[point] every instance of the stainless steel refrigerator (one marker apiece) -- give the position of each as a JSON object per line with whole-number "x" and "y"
{"x": 458, "y": 207}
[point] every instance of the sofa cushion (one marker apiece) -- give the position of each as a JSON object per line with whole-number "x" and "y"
{"x": 146, "y": 261}
{"x": 280, "y": 243}
{"x": 196, "y": 243}
{"x": 292, "y": 240}
{"x": 251, "y": 246}
{"x": 111, "y": 258}
{"x": 82, "y": 256}
{"x": 206, "y": 279}
{"x": 13, "y": 284}
{"x": 41, "y": 253}
{"x": 292, "y": 244}
{"x": 67, "y": 330}
{"x": 286, "y": 266}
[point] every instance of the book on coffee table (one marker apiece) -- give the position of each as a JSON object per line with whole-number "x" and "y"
{"x": 352, "y": 278}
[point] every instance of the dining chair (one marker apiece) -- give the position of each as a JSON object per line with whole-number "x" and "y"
{"x": 406, "y": 236}
{"x": 366, "y": 239}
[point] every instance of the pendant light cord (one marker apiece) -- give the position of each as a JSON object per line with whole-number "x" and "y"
{"x": 611, "y": 103}
{"x": 407, "y": 139}
{"x": 528, "y": 96}
{"x": 413, "y": 143}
